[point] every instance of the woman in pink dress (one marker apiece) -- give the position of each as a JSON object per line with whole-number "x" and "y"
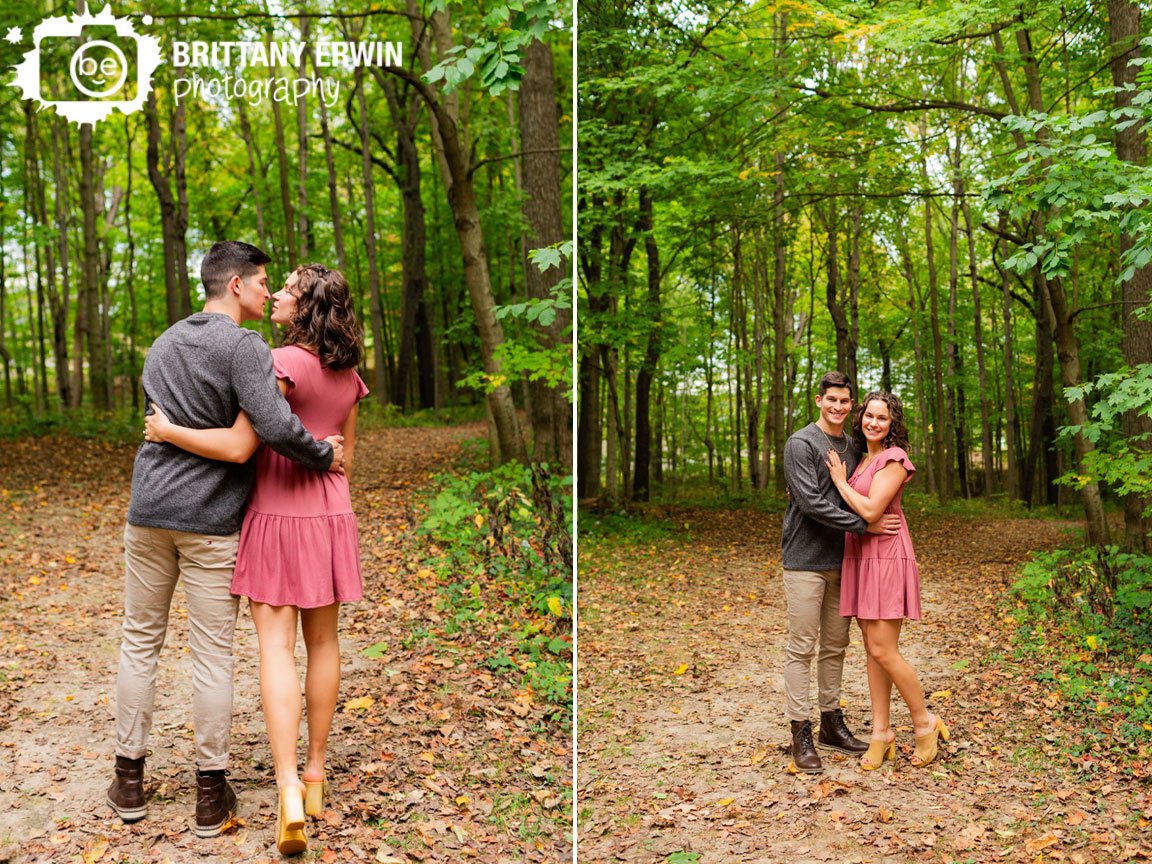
{"x": 299, "y": 555}
{"x": 879, "y": 581}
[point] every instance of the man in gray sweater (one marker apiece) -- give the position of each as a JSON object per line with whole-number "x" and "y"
{"x": 184, "y": 522}
{"x": 813, "y": 541}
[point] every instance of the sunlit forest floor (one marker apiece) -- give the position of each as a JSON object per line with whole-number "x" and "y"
{"x": 434, "y": 756}
{"x": 683, "y": 745}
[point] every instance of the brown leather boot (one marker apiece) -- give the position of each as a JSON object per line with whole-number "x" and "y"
{"x": 126, "y": 794}
{"x": 835, "y": 735}
{"x": 215, "y": 803}
{"x": 805, "y": 759}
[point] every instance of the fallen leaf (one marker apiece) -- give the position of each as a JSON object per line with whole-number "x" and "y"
{"x": 363, "y": 703}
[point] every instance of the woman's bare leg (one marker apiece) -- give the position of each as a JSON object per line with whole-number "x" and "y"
{"x": 279, "y": 686}
{"x": 882, "y": 641}
{"x": 322, "y": 683}
{"x": 879, "y": 690}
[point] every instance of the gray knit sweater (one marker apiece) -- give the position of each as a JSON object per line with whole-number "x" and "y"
{"x": 202, "y": 372}
{"x": 817, "y": 517}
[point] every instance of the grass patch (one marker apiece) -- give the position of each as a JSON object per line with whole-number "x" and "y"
{"x": 121, "y": 427}
{"x": 997, "y": 506}
{"x": 373, "y": 415}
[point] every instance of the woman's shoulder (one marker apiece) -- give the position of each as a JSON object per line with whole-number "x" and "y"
{"x": 895, "y": 454}
{"x": 295, "y": 355}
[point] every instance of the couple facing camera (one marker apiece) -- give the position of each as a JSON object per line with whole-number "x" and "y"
{"x": 277, "y": 529}
{"x": 857, "y": 563}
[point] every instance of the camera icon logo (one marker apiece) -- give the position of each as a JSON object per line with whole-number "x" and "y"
{"x": 87, "y": 66}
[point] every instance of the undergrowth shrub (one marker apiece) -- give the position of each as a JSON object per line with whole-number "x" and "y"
{"x": 500, "y": 544}
{"x": 1092, "y": 608}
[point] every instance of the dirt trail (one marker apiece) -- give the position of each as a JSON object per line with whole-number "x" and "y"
{"x": 435, "y": 769}
{"x": 683, "y": 746}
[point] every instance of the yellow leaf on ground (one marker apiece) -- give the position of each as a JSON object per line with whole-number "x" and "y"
{"x": 95, "y": 849}
{"x": 681, "y": 669}
{"x": 724, "y": 802}
{"x": 479, "y": 520}
{"x": 941, "y": 694}
{"x": 1091, "y": 642}
{"x": 363, "y": 703}
{"x": 556, "y": 606}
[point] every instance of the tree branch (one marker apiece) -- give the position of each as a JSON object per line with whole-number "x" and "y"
{"x": 910, "y": 106}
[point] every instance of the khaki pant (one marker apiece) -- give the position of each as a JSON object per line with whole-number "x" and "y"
{"x": 154, "y": 559}
{"x": 813, "y": 620}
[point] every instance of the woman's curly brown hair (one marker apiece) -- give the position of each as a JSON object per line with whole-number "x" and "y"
{"x": 897, "y": 433}
{"x": 325, "y": 321}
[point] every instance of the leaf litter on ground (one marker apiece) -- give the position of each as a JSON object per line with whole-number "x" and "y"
{"x": 676, "y": 762}
{"x": 432, "y": 756}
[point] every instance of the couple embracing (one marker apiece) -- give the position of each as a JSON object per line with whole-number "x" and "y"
{"x": 277, "y": 529}
{"x": 842, "y": 563}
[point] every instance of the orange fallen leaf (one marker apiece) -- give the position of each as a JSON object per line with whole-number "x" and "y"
{"x": 1038, "y": 843}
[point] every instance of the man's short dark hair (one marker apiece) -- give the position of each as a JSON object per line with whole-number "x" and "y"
{"x": 836, "y": 379}
{"x": 226, "y": 259}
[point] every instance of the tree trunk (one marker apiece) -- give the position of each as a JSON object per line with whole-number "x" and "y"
{"x": 415, "y": 340}
{"x": 58, "y": 300}
{"x": 539, "y": 140}
{"x": 302, "y": 223}
{"x": 456, "y": 169}
{"x": 1136, "y": 338}
{"x": 98, "y": 373}
{"x": 832, "y": 295}
{"x": 955, "y": 392}
{"x": 285, "y": 192}
{"x": 173, "y": 209}
{"x": 939, "y": 426}
{"x": 640, "y": 475}
{"x": 779, "y": 317}
{"x": 380, "y": 372}
{"x": 978, "y": 332}
{"x": 1067, "y": 344}
{"x": 1011, "y": 428}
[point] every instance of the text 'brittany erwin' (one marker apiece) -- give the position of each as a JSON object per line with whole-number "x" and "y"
{"x": 324, "y": 54}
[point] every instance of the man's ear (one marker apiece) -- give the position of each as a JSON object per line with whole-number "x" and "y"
{"x": 234, "y": 285}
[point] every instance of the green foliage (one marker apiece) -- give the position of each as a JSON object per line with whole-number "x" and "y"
{"x": 500, "y": 548}
{"x": 1120, "y": 461}
{"x": 494, "y": 50}
{"x": 1092, "y": 609}
{"x": 528, "y": 350}
{"x": 123, "y": 426}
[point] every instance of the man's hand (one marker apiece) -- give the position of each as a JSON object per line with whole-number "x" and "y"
{"x": 337, "y": 442}
{"x": 889, "y": 523}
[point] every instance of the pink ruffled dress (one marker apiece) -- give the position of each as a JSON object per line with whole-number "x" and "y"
{"x": 879, "y": 579}
{"x": 299, "y": 544}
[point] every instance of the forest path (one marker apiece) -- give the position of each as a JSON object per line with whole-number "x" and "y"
{"x": 683, "y": 745}
{"x": 433, "y": 760}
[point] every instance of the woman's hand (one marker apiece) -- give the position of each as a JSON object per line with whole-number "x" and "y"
{"x": 836, "y": 468}
{"x": 156, "y": 425}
